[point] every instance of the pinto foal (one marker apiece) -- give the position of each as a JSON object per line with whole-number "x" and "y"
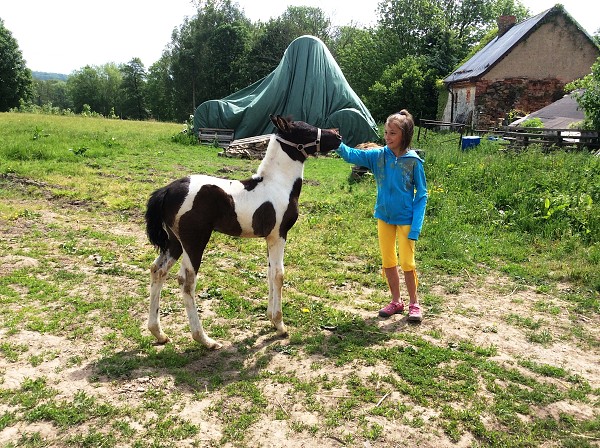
{"x": 181, "y": 217}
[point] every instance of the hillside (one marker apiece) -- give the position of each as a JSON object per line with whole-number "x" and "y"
{"x": 45, "y": 76}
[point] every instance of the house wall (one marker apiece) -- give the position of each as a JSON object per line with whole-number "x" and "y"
{"x": 555, "y": 50}
{"x": 461, "y": 103}
{"x": 532, "y": 75}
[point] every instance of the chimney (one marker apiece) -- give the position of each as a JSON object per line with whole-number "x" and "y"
{"x": 505, "y": 23}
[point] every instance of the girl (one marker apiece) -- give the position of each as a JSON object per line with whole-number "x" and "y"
{"x": 400, "y": 206}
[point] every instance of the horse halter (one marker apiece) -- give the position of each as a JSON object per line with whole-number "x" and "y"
{"x": 300, "y": 146}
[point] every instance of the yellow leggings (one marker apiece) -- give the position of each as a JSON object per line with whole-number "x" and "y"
{"x": 390, "y": 235}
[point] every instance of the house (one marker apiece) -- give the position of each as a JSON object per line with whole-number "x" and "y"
{"x": 524, "y": 68}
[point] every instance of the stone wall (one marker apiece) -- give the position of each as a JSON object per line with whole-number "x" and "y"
{"x": 494, "y": 100}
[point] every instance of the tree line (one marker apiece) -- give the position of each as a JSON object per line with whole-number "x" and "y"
{"x": 397, "y": 62}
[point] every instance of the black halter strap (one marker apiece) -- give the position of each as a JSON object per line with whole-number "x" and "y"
{"x": 300, "y": 146}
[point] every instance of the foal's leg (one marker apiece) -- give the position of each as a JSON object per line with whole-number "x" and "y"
{"x": 158, "y": 273}
{"x": 276, "y": 246}
{"x": 187, "y": 281}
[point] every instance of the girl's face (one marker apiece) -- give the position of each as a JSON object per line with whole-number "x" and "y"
{"x": 393, "y": 136}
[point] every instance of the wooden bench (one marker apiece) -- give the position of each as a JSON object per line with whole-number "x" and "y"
{"x": 217, "y": 137}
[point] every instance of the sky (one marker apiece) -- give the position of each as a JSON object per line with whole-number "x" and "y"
{"x": 62, "y": 36}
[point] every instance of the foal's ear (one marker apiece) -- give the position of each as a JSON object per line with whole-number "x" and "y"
{"x": 280, "y": 123}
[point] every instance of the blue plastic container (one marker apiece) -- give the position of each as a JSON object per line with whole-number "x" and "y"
{"x": 470, "y": 141}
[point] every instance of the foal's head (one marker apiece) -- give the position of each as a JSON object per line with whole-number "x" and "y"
{"x": 305, "y": 138}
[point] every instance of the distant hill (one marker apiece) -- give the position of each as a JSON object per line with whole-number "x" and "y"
{"x": 44, "y": 76}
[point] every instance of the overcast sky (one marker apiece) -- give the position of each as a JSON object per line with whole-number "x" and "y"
{"x": 61, "y": 36}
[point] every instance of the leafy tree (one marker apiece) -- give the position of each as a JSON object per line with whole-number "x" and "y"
{"x": 302, "y": 20}
{"x": 420, "y": 25}
{"x": 359, "y": 53}
{"x": 596, "y": 37}
{"x": 268, "y": 43}
{"x": 408, "y": 84}
{"x": 160, "y": 88}
{"x": 84, "y": 88}
{"x": 133, "y": 87}
{"x": 205, "y": 54}
{"x": 97, "y": 87}
{"x": 111, "y": 78}
{"x": 51, "y": 91}
{"x": 588, "y": 97}
{"x": 226, "y": 48}
{"x": 442, "y": 32}
{"x": 16, "y": 82}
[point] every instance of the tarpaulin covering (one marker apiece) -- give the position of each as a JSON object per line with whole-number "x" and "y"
{"x": 307, "y": 85}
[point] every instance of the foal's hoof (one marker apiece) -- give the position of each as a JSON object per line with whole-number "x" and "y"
{"x": 282, "y": 331}
{"x": 214, "y": 345}
{"x": 162, "y": 340}
{"x": 209, "y": 343}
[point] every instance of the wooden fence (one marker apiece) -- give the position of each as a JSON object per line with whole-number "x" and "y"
{"x": 560, "y": 138}
{"x": 460, "y": 128}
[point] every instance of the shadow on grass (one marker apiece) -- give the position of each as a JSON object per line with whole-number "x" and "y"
{"x": 197, "y": 367}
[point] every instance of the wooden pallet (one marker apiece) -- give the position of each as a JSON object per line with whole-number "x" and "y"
{"x": 214, "y": 136}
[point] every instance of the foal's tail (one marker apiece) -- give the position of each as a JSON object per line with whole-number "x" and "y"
{"x": 157, "y": 234}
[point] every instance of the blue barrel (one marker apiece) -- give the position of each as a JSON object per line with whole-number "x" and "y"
{"x": 470, "y": 141}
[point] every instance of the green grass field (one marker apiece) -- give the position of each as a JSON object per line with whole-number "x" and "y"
{"x": 509, "y": 268}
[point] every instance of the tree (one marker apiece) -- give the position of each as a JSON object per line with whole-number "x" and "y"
{"x": 51, "y": 91}
{"x": 588, "y": 96}
{"x": 97, "y": 87}
{"x": 160, "y": 89}
{"x": 133, "y": 87}
{"x": 268, "y": 43}
{"x": 360, "y": 55}
{"x": 16, "y": 82}
{"x": 302, "y": 20}
{"x": 205, "y": 54}
{"x": 111, "y": 79}
{"x": 84, "y": 88}
{"x": 596, "y": 37}
{"x": 408, "y": 84}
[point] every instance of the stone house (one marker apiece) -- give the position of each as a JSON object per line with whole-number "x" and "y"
{"x": 524, "y": 68}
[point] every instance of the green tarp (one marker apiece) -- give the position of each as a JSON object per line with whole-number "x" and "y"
{"x": 307, "y": 85}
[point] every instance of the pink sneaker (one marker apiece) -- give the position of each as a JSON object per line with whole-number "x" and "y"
{"x": 391, "y": 308}
{"x": 414, "y": 313}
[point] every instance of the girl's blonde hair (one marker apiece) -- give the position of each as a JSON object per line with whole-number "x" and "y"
{"x": 404, "y": 121}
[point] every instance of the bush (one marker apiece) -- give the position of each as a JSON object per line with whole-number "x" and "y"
{"x": 533, "y": 123}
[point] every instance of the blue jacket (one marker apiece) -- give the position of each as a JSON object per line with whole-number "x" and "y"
{"x": 401, "y": 185}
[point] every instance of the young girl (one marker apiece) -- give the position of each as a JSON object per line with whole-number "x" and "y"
{"x": 400, "y": 206}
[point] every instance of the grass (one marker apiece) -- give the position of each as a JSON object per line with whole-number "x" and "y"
{"x": 521, "y": 227}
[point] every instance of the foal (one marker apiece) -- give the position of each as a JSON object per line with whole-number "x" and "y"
{"x": 181, "y": 217}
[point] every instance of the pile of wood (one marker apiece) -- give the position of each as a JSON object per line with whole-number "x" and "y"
{"x": 247, "y": 148}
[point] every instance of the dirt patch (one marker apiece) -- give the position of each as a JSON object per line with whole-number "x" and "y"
{"x": 491, "y": 311}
